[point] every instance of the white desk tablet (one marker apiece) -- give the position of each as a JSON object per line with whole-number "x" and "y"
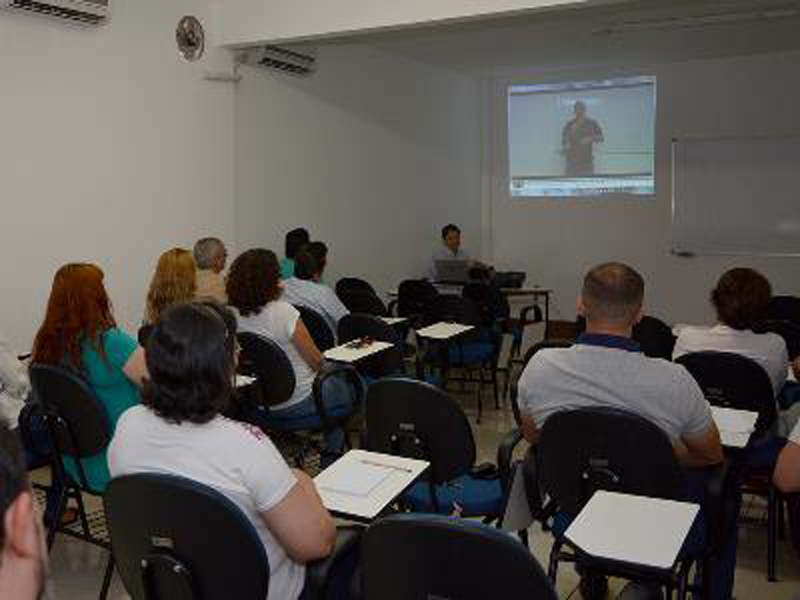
{"x": 393, "y": 320}
{"x": 443, "y": 331}
{"x": 243, "y": 380}
{"x": 361, "y": 484}
{"x": 346, "y": 353}
{"x": 632, "y": 529}
{"x": 735, "y": 426}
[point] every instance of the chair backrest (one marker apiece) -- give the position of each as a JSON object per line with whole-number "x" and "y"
{"x": 492, "y": 304}
{"x": 267, "y": 362}
{"x": 733, "y": 381}
{"x": 318, "y": 328}
{"x": 457, "y": 309}
{"x": 787, "y": 330}
{"x": 353, "y": 284}
{"x": 652, "y": 334}
{"x": 429, "y": 556}
{"x": 785, "y": 308}
{"x": 176, "y": 539}
{"x": 388, "y": 362}
{"x": 414, "y": 296}
{"x": 582, "y": 451}
{"x": 654, "y": 337}
{"x": 514, "y": 387}
{"x": 363, "y": 302}
{"x": 77, "y": 420}
{"x": 411, "y": 418}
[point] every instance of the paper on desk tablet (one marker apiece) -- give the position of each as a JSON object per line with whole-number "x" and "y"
{"x": 354, "y": 478}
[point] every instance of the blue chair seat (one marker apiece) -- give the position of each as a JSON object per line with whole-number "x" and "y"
{"x": 476, "y": 497}
{"x": 471, "y": 353}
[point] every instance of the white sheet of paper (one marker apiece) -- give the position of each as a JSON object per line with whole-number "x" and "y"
{"x": 394, "y": 320}
{"x": 358, "y": 479}
{"x": 632, "y": 529}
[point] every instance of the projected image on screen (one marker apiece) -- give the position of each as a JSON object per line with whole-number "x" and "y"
{"x": 585, "y": 138}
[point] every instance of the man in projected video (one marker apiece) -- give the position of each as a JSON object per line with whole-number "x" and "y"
{"x": 578, "y": 138}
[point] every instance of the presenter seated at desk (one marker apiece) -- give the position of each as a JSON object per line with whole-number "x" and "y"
{"x": 295, "y": 241}
{"x": 606, "y": 368}
{"x": 450, "y": 250}
{"x": 305, "y": 289}
{"x": 741, "y": 299}
{"x": 179, "y": 430}
{"x": 255, "y": 292}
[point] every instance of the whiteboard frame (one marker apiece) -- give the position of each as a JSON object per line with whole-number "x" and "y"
{"x": 688, "y": 253}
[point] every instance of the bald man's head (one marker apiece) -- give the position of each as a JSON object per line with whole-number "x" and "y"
{"x": 612, "y": 293}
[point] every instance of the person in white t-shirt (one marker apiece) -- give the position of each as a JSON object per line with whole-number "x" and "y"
{"x": 741, "y": 299}
{"x": 179, "y": 430}
{"x": 254, "y": 290}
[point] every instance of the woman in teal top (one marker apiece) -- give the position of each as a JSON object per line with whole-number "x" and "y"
{"x": 79, "y": 331}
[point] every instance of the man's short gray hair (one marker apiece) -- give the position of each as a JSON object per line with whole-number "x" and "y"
{"x": 206, "y": 251}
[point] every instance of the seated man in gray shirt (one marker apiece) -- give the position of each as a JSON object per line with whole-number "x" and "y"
{"x": 605, "y": 368}
{"x": 305, "y": 289}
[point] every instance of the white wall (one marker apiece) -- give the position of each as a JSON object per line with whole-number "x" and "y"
{"x": 557, "y": 241}
{"x": 373, "y": 154}
{"x": 112, "y": 150}
{"x": 250, "y": 21}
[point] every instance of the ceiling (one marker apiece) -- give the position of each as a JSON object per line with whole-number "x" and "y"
{"x": 636, "y": 32}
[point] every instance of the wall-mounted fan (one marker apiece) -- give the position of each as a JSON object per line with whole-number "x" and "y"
{"x": 190, "y": 38}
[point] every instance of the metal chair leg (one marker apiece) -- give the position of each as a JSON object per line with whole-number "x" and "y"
{"x": 772, "y": 531}
{"x": 107, "y": 576}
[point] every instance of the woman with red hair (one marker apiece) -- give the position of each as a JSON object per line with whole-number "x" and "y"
{"x": 79, "y": 332}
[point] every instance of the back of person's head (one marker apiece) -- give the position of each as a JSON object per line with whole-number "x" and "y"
{"x": 210, "y": 254}
{"x": 78, "y": 311}
{"x": 741, "y": 298}
{"x": 450, "y": 228}
{"x": 253, "y": 281}
{"x": 23, "y": 559}
{"x": 295, "y": 240}
{"x": 191, "y": 364}
{"x": 319, "y": 250}
{"x": 612, "y": 294}
{"x": 305, "y": 265}
{"x": 174, "y": 281}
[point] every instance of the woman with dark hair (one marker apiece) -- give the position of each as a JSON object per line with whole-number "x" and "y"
{"x": 79, "y": 332}
{"x": 254, "y": 290}
{"x": 741, "y": 299}
{"x": 179, "y": 430}
{"x": 296, "y": 239}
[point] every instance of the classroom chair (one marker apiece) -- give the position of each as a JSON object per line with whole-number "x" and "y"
{"x": 385, "y": 363}
{"x": 78, "y": 428}
{"x": 364, "y": 302}
{"x": 429, "y": 556}
{"x": 317, "y": 327}
{"x": 353, "y": 284}
{"x": 735, "y": 381}
{"x": 582, "y": 451}
{"x": 407, "y": 417}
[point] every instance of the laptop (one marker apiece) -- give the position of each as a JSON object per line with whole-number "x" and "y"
{"x": 452, "y": 271}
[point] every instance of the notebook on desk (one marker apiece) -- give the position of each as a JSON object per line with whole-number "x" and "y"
{"x": 452, "y": 271}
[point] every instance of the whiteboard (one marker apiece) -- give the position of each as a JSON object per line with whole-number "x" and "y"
{"x": 736, "y": 196}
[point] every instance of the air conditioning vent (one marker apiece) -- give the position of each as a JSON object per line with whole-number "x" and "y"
{"x": 92, "y": 12}
{"x": 280, "y": 58}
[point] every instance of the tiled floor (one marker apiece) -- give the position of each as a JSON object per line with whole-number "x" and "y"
{"x": 77, "y": 568}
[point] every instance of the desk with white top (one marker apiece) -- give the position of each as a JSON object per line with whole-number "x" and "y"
{"x": 735, "y": 426}
{"x": 349, "y": 354}
{"x": 632, "y": 530}
{"x": 361, "y": 484}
